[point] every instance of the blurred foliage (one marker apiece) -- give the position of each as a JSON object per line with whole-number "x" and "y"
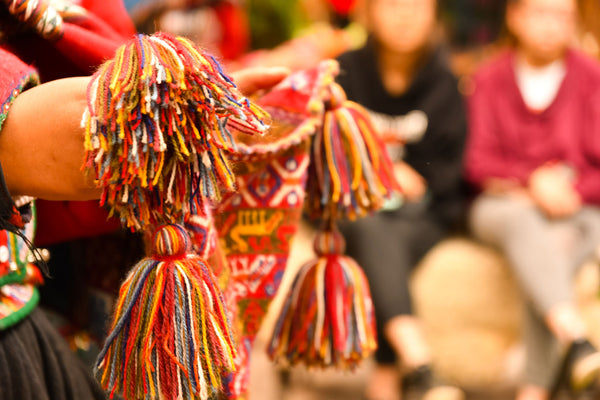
{"x": 472, "y": 23}
{"x": 273, "y": 21}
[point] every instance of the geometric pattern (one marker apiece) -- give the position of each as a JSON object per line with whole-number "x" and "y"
{"x": 255, "y": 227}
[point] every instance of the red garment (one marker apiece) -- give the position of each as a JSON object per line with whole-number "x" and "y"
{"x": 235, "y": 33}
{"x": 508, "y": 140}
{"x": 90, "y": 36}
{"x": 342, "y": 7}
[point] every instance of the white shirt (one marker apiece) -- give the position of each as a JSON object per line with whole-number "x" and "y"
{"x": 539, "y": 86}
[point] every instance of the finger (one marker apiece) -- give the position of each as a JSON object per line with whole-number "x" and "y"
{"x": 550, "y": 209}
{"x": 251, "y": 80}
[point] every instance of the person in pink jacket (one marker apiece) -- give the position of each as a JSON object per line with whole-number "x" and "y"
{"x": 533, "y": 155}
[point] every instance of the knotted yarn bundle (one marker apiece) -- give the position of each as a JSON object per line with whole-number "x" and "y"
{"x": 156, "y": 128}
{"x": 328, "y": 316}
{"x": 170, "y": 338}
{"x": 327, "y": 319}
{"x": 350, "y": 174}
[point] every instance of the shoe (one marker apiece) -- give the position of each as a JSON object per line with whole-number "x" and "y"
{"x": 579, "y": 369}
{"x": 586, "y": 368}
{"x": 423, "y": 381}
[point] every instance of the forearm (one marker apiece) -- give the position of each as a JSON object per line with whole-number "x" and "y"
{"x": 41, "y": 142}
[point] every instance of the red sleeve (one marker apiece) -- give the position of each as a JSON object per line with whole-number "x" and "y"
{"x": 92, "y": 38}
{"x": 588, "y": 166}
{"x": 488, "y": 152}
{"x": 15, "y": 76}
{"x": 588, "y": 186}
{"x": 113, "y": 13}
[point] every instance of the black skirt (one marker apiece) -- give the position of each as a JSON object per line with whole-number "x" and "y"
{"x": 37, "y": 364}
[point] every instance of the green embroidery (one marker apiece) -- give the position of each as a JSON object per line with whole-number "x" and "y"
{"x": 15, "y": 245}
{"x": 30, "y": 79}
{"x": 14, "y": 277}
{"x": 21, "y": 313}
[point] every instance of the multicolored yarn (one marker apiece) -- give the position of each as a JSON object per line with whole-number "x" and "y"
{"x": 170, "y": 337}
{"x": 39, "y": 15}
{"x": 350, "y": 175}
{"x": 328, "y": 318}
{"x": 157, "y": 124}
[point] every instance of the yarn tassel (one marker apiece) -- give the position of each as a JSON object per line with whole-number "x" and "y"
{"x": 328, "y": 317}
{"x": 157, "y": 128}
{"x": 350, "y": 174}
{"x": 170, "y": 337}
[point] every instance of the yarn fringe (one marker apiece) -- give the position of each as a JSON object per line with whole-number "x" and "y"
{"x": 350, "y": 174}
{"x": 156, "y": 128}
{"x": 170, "y": 338}
{"x": 328, "y": 317}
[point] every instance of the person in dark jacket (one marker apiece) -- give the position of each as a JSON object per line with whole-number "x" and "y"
{"x": 401, "y": 76}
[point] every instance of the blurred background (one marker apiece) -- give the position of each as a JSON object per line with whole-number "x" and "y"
{"x": 298, "y": 33}
{"x": 472, "y": 324}
{"x": 463, "y": 292}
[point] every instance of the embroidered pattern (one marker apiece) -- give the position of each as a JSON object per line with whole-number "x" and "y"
{"x": 255, "y": 227}
{"x": 16, "y": 302}
{"x": 18, "y": 295}
{"x": 29, "y": 79}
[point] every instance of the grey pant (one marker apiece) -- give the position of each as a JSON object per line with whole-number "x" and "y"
{"x": 544, "y": 255}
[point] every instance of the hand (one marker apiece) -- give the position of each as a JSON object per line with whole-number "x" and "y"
{"x": 251, "y": 80}
{"x": 413, "y": 185}
{"x": 553, "y": 191}
{"x": 507, "y": 188}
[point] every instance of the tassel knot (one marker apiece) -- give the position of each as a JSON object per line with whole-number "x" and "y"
{"x": 170, "y": 336}
{"x": 329, "y": 242}
{"x": 335, "y": 98}
{"x": 171, "y": 240}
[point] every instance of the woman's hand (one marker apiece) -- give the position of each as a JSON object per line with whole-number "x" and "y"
{"x": 252, "y": 80}
{"x": 413, "y": 185}
{"x": 552, "y": 190}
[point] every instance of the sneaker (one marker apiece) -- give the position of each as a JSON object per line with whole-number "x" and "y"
{"x": 586, "y": 366}
{"x": 579, "y": 369}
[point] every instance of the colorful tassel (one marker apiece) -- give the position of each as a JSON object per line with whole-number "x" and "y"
{"x": 170, "y": 337}
{"x": 327, "y": 319}
{"x": 350, "y": 173}
{"x": 156, "y": 128}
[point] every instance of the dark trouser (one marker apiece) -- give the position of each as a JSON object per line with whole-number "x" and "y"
{"x": 37, "y": 364}
{"x": 387, "y": 246}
